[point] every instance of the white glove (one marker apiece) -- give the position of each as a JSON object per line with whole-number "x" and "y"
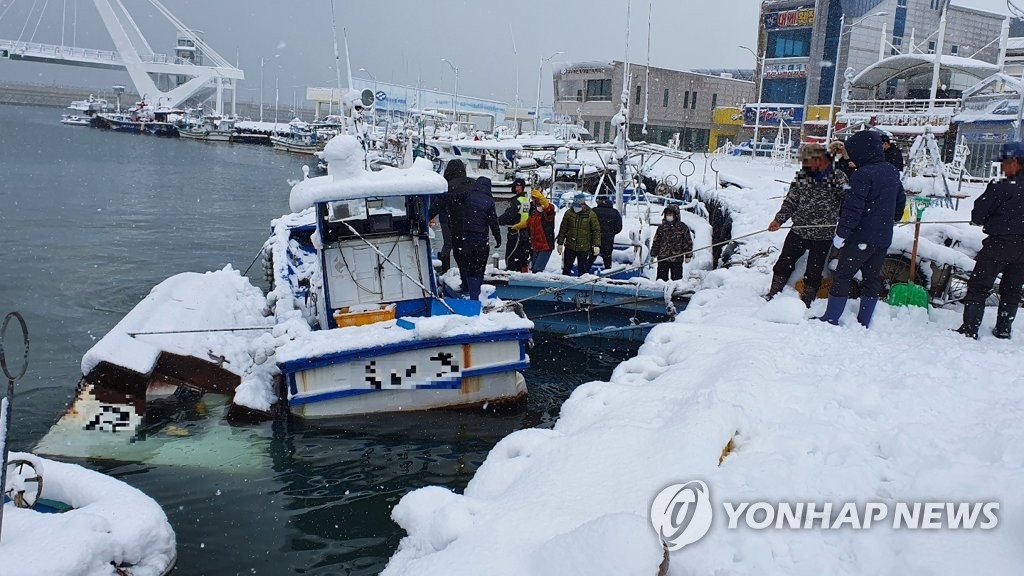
{"x": 597, "y": 250}
{"x": 560, "y": 249}
{"x": 838, "y": 242}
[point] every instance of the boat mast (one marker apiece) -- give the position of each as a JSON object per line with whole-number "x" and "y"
{"x": 337, "y": 61}
{"x": 621, "y": 120}
{"x": 647, "y": 75}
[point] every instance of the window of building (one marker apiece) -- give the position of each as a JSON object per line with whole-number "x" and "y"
{"x": 693, "y": 100}
{"x": 636, "y": 97}
{"x": 901, "y": 3}
{"x": 607, "y": 130}
{"x": 931, "y": 47}
{"x": 789, "y": 43}
{"x": 954, "y": 49}
{"x": 599, "y": 90}
{"x": 686, "y": 99}
{"x": 570, "y": 90}
{"x": 714, "y": 101}
{"x": 664, "y": 98}
{"x": 586, "y": 126}
{"x": 785, "y": 90}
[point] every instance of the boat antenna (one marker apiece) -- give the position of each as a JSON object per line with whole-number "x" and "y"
{"x": 621, "y": 120}
{"x": 647, "y": 76}
{"x": 515, "y": 56}
{"x": 337, "y": 59}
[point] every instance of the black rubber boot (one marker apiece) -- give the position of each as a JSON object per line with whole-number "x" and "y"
{"x": 778, "y": 283}
{"x": 1004, "y": 320}
{"x": 973, "y": 313}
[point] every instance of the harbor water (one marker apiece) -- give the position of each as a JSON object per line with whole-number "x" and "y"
{"x": 90, "y": 221}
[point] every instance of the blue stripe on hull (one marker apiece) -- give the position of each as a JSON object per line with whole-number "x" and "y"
{"x": 446, "y": 384}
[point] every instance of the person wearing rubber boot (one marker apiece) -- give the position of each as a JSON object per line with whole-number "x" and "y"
{"x": 1000, "y": 210}
{"x": 871, "y": 206}
{"x": 813, "y": 203}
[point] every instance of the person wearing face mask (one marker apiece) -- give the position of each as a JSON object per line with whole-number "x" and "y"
{"x": 814, "y": 199}
{"x": 672, "y": 244}
{"x": 579, "y": 236}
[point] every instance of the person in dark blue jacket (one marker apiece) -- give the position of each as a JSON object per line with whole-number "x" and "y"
{"x": 449, "y": 209}
{"x": 1000, "y": 209}
{"x": 480, "y": 218}
{"x": 874, "y": 202}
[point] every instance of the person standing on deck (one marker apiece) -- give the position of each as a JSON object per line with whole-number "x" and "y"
{"x": 893, "y": 154}
{"x": 1000, "y": 209}
{"x": 517, "y": 246}
{"x": 541, "y": 225}
{"x": 871, "y": 206}
{"x": 450, "y": 213}
{"x": 813, "y": 200}
{"x": 579, "y": 236}
{"x": 481, "y": 218}
{"x": 611, "y": 224}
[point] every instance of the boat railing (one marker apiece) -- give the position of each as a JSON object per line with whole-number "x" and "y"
{"x": 76, "y": 53}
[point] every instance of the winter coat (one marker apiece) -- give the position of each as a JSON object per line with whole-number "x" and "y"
{"x": 611, "y": 224}
{"x": 671, "y": 241}
{"x": 876, "y": 197}
{"x": 480, "y": 214}
{"x": 450, "y": 207}
{"x": 517, "y": 240}
{"x": 541, "y": 225}
{"x": 895, "y": 157}
{"x": 580, "y": 231}
{"x": 1000, "y": 209}
{"x": 814, "y": 199}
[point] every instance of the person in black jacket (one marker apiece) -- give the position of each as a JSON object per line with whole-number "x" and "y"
{"x": 517, "y": 246}
{"x": 481, "y": 218}
{"x": 893, "y": 154}
{"x": 1000, "y": 209}
{"x": 611, "y": 224}
{"x": 449, "y": 209}
{"x": 874, "y": 202}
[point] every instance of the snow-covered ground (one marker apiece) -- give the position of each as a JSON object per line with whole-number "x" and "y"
{"x": 111, "y": 525}
{"x": 907, "y": 411}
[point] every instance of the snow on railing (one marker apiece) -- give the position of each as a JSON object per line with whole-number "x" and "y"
{"x": 898, "y": 106}
{"x": 89, "y": 54}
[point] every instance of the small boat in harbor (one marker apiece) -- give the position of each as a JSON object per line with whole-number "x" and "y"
{"x": 141, "y": 120}
{"x": 83, "y": 111}
{"x": 213, "y": 128}
{"x": 300, "y": 139}
{"x": 354, "y": 323}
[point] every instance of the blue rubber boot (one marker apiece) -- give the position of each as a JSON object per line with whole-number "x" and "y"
{"x": 473, "y": 287}
{"x": 834, "y": 310}
{"x": 867, "y": 310}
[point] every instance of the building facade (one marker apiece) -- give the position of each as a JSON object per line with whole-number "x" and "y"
{"x": 679, "y": 105}
{"x": 799, "y": 41}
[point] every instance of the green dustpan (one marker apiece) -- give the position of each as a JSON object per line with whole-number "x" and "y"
{"x": 910, "y": 293}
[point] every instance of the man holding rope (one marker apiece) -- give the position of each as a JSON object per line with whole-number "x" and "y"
{"x": 813, "y": 202}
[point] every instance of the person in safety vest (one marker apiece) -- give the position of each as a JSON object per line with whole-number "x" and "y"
{"x": 517, "y": 242}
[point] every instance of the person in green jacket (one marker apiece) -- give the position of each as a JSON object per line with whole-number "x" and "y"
{"x": 579, "y": 236}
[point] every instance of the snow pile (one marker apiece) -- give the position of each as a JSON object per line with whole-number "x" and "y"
{"x": 111, "y": 524}
{"x": 762, "y": 404}
{"x": 319, "y": 343}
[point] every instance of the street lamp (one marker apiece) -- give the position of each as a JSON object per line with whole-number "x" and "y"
{"x": 759, "y": 70}
{"x": 455, "y": 102}
{"x": 540, "y": 70}
{"x": 835, "y": 77}
{"x": 374, "y": 78}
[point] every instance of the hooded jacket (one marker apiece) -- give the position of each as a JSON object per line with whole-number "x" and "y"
{"x": 876, "y": 197}
{"x": 480, "y": 214}
{"x": 611, "y": 224}
{"x": 450, "y": 207}
{"x": 672, "y": 239}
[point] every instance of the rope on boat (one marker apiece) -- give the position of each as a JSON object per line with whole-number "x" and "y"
{"x": 555, "y": 289}
{"x": 199, "y": 330}
{"x": 399, "y": 268}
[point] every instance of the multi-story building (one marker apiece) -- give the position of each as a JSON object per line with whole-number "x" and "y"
{"x": 679, "y": 105}
{"x": 799, "y": 41}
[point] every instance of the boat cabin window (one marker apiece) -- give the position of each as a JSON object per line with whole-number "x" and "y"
{"x": 367, "y": 216}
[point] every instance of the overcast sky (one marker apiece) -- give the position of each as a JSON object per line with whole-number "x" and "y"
{"x": 402, "y": 40}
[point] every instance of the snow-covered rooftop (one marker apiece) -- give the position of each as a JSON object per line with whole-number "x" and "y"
{"x": 348, "y": 179}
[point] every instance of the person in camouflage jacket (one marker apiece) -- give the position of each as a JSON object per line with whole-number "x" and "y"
{"x": 814, "y": 200}
{"x": 672, "y": 244}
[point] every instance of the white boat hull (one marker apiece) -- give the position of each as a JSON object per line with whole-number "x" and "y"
{"x": 447, "y": 375}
